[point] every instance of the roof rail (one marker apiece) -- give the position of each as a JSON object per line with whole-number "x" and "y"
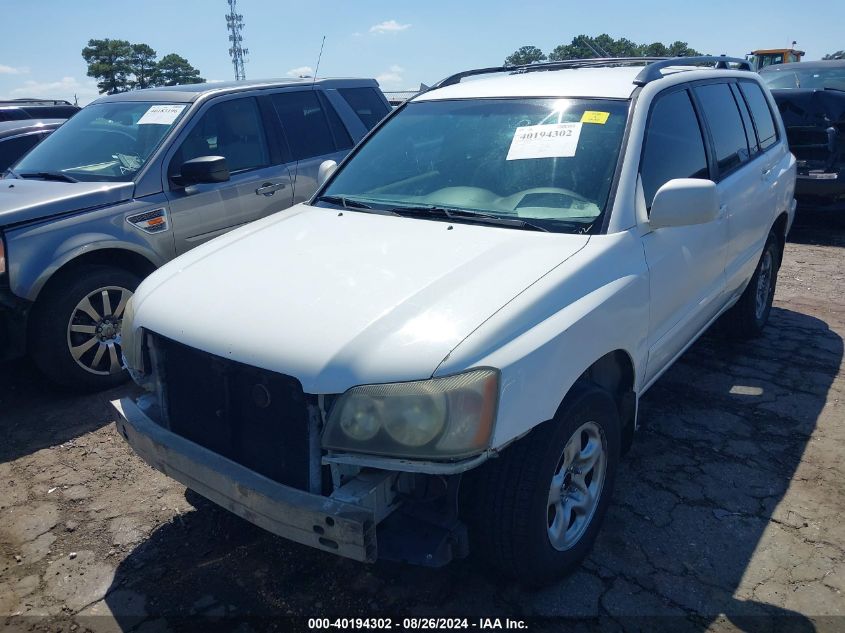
{"x": 541, "y": 66}
{"x": 652, "y": 71}
{"x": 26, "y": 102}
{"x": 653, "y": 66}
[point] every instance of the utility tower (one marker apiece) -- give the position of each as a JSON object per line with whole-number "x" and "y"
{"x": 235, "y": 24}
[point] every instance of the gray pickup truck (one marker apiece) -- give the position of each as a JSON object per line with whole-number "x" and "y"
{"x": 137, "y": 178}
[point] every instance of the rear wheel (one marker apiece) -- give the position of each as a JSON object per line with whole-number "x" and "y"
{"x": 536, "y": 511}
{"x": 749, "y": 316}
{"x": 75, "y": 330}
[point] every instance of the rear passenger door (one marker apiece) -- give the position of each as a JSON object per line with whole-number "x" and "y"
{"x": 314, "y": 134}
{"x": 739, "y": 182}
{"x": 749, "y": 226}
{"x": 260, "y": 182}
{"x": 686, "y": 263}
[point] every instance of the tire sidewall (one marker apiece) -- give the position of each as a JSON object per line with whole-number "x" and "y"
{"x": 771, "y": 247}
{"x": 596, "y": 406}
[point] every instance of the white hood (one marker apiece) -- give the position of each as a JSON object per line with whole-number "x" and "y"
{"x": 340, "y": 299}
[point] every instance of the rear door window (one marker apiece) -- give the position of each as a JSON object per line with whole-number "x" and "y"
{"x": 750, "y": 135}
{"x": 310, "y": 125}
{"x": 367, "y": 103}
{"x": 674, "y": 145}
{"x": 761, "y": 113}
{"x": 725, "y": 125}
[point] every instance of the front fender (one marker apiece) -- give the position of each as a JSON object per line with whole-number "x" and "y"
{"x": 593, "y": 304}
{"x": 36, "y": 251}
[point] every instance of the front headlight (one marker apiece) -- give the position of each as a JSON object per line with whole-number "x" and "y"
{"x": 440, "y": 418}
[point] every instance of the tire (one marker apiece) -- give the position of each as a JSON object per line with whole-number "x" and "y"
{"x": 509, "y": 501}
{"x": 68, "y": 344}
{"x": 747, "y": 318}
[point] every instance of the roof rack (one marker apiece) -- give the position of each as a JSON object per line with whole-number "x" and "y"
{"x": 25, "y": 102}
{"x": 653, "y": 66}
{"x": 652, "y": 71}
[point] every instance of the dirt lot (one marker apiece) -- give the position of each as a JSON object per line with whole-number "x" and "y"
{"x": 731, "y": 502}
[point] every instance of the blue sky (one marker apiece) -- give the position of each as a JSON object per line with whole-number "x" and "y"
{"x": 402, "y": 43}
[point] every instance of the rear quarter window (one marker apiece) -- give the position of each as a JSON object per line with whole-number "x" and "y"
{"x": 761, "y": 113}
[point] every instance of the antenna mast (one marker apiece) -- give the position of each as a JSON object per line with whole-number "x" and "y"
{"x": 235, "y": 24}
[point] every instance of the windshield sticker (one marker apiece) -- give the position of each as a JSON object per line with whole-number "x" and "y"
{"x": 590, "y": 116}
{"x": 558, "y": 140}
{"x": 161, "y": 114}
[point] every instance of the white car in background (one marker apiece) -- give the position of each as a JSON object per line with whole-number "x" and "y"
{"x": 444, "y": 349}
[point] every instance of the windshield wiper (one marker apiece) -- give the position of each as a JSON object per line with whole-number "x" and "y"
{"x": 342, "y": 201}
{"x": 470, "y": 217}
{"x": 49, "y": 175}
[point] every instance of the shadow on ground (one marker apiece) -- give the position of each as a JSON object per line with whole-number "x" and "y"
{"x": 724, "y": 431}
{"x": 35, "y": 414}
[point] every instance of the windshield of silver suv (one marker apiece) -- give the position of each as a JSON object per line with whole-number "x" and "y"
{"x": 103, "y": 142}
{"x": 548, "y": 163}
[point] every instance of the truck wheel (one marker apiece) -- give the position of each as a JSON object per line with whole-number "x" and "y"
{"x": 538, "y": 508}
{"x": 748, "y": 317}
{"x": 74, "y": 335}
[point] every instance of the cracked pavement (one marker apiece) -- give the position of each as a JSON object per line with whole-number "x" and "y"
{"x": 728, "y": 507}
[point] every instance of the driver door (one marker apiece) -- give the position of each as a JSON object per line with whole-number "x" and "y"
{"x": 686, "y": 263}
{"x": 258, "y": 185}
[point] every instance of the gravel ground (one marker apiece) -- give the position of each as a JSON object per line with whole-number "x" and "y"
{"x": 728, "y": 509}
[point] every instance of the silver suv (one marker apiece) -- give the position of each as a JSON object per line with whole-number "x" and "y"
{"x": 137, "y": 178}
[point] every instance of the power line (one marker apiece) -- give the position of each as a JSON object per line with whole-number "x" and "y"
{"x": 235, "y": 24}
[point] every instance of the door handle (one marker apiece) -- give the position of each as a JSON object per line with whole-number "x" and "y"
{"x": 269, "y": 188}
{"x": 765, "y": 173}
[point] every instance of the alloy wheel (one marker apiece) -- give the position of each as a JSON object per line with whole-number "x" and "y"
{"x": 576, "y": 486}
{"x": 93, "y": 331}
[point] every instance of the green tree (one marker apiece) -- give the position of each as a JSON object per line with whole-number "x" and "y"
{"x": 143, "y": 64}
{"x": 681, "y": 49}
{"x": 174, "y": 69}
{"x": 585, "y": 47}
{"x": 525, "y": 55}
{"x": 109, "y": 62}
{"x": 836, "y": 55}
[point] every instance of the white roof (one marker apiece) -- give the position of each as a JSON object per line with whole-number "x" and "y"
{"x": 615, "y": 82}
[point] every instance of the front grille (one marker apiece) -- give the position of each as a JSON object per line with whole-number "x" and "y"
{"x": 255, "y": 417}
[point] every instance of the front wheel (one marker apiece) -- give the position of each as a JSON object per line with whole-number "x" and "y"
{"x": 536, "y": 511}
{"x": 75, "y": 329}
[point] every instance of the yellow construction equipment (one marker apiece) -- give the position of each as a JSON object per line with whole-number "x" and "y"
{"x": 770, "y": 56}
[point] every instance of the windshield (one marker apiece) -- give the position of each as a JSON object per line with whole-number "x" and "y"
{"x": 810, "y": 79}
{"x": 107, "y": 141}
{"x": 546, "y": 161}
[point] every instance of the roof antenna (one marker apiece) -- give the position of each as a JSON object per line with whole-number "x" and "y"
{"x": 319, "y": 57}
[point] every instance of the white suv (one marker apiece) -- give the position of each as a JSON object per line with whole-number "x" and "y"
{"x": 443, "y": 350}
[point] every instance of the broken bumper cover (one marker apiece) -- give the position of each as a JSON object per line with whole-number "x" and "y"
{"x": 327, "y": 524}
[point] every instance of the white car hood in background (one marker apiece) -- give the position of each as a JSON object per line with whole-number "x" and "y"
{"x": 341, "y": 299}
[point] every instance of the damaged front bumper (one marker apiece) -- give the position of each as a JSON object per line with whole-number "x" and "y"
{"x": 322, "y": 522}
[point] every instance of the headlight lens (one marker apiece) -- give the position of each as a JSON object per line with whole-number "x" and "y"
{"x": 440, "y": 418}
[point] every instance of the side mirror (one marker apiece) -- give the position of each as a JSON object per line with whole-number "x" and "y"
{"x": 683, "y": 202}
{"x": 325, "y": 170}
{"x": 203, "y": 169}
